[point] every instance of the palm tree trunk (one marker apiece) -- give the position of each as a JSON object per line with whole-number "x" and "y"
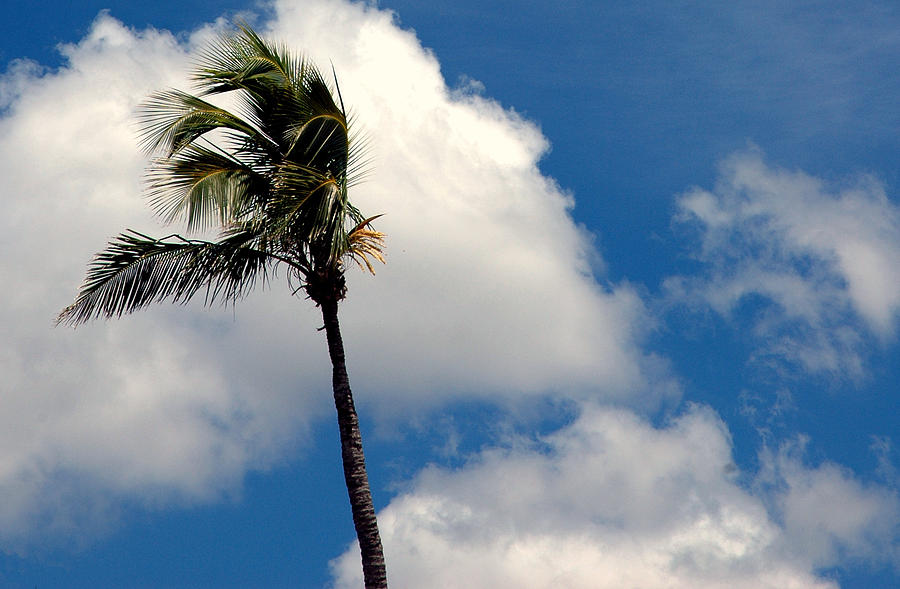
{"x": 355, "y": 476}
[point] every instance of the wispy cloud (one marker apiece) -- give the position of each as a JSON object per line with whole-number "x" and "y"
{"x": 803, "y": 500}
{"x": 812, "y": 266}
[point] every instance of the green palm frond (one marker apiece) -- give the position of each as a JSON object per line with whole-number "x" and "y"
{"x": 246, "y": 61}
{"x": 308, "y": 203}
{"x": 136, "y": 270}
{"x": 204, "y": 187}
{"x": 269, "y": 79}
{"x": 173, "y": 119}
{"x": 323, "y": 141}
{"x": 282, "y": 94}
{"x": 359, "y": 156}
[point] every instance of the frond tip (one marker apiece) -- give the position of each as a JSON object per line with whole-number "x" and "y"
{"x": 365, "y": 245}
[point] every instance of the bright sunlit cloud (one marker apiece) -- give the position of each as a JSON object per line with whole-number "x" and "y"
{"x": 612, "y": 501}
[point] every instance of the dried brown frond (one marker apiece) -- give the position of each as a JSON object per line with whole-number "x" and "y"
{"x": 366, "y": 245}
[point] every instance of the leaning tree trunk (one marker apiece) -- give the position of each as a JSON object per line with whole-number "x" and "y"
{"x": 354, "y": 460}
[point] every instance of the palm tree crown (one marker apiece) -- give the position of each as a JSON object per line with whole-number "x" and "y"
{"x": 273, "y": 178}
{"x": 272, "y": 175}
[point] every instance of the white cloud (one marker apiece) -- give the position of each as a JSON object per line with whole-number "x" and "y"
{"x": 176, "y": 404}
{"x": 611, "y": 501}
{"x": 827, "y": 515}
{"x": 477, "y": 237}
{"x": 827, "y": 258}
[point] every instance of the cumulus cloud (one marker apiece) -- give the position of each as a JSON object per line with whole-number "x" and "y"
{"x": 478, "y": 238}
{"x": 817, "y": 264}
{"x": 611, "y": 501}
{"x": 176, "y": 404}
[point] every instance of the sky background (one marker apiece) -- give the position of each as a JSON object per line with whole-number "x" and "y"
{"x": 637, "y": 328}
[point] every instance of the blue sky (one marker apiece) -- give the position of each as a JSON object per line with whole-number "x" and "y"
{"x": 638, "y": 325}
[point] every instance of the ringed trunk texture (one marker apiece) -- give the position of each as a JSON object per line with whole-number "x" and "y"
{"x": 354, "y": 460}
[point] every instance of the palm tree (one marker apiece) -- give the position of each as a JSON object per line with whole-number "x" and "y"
{"x": 273, "y": 178}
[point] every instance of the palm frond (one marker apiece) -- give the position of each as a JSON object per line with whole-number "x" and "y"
{"x": 246, "y": 61}
{"x": 268, "y": 78}
{"x": 365, "y": 244}
{"x": 312, "y": 207}
{"x": 203, "y": 186}
{"x": 136, "y": 270}
{"x": 303, "y": 196}
{"x": 173, "y": 119}
{"x": 324, "y": 142}
{"x": 359, "y": 157}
